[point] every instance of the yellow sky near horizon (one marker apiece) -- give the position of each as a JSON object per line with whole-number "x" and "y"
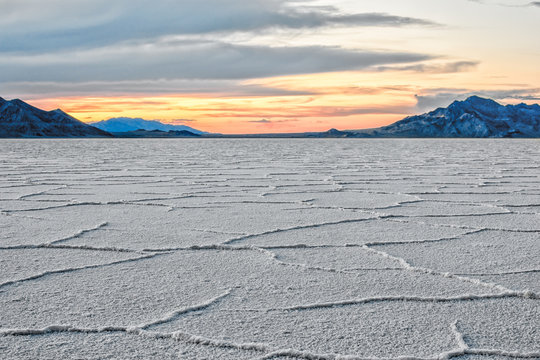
{"x": 345, "y": 100}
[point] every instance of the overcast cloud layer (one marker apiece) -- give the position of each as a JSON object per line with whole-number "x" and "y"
{"x": 121, "y": 41}
{"x": 192, "y": 60}
{"x": 28, "y": 25}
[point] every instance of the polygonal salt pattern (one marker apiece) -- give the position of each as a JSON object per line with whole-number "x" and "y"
{"x": 270, "y": 249}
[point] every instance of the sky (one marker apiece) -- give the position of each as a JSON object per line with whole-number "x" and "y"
{"x": 260, "y": 66}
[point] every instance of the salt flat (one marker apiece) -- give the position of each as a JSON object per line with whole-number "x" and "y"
{"x": 269, "y": 249}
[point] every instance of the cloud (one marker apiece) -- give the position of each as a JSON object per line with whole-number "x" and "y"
{"x": 192, "y": 60}
{"x": 182, "y": 121}
{"x": 486, "y": 2}
{"x": 196, "y": 87}
{"x": 28, "y": 26}
{"x": 263, "y": 121}
{"x": 442, "y": 68}
{"x": 271, "y": 123}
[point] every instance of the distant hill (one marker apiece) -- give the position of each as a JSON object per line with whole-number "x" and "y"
{"x": 124, "y": 125}
{"x": 156, "y": 134}
{"x": 475, "y": 117}
{"x": 19, "y": 119}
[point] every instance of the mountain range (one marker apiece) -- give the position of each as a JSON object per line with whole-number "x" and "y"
{"x": 124, "y": 125}
{"x": 475, "y": 117}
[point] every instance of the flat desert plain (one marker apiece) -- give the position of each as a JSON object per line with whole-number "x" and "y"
{"x": 270, "y": 249}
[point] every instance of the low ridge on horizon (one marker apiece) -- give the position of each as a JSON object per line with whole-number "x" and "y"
{"x": 475, "y": 117}
{"x": 127, "y": 124}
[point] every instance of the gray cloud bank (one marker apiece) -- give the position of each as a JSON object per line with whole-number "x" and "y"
{"x": 498, "y": 3}
{"x": 440, "y": 68}
{"x": 67, "y": 45}
{"x": 192, "y": 60}
{"x": 28, "y": 25}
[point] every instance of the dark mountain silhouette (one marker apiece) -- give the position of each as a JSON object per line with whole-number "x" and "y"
{"x": 19, "y": 119}
{"x": 475, "y": 117}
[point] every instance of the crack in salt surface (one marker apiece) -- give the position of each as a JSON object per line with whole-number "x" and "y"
{"x": 127, "y": 329}
{"x": 404, "y": 219}
{"x": 43, "y": 192}
{"x": 460, "y": 340}
{"x": 275, "y": 258}
{"x": 59, "y": 244}
{"x": 73, "y": 247}
{"x": 78, "y": 234}
{"x": 513, "y": 272}
{"x": 86, "y": 203}
{"x": 74, "y": 269}
{"x": 300, "y": 227}
{"x": 399, "y": 298}
{"x": 407, "y": 242}
{"x": 449, "y": 275}
{"x": 174, "y": 315}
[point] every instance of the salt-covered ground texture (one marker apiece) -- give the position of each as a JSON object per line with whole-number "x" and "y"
{"x": 270, "y": 249}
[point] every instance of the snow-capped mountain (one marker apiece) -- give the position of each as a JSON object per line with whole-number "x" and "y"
{"x": 19, "y": 119}
{"x": 122, "y": 125}
{"x": 475, "y": 117}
